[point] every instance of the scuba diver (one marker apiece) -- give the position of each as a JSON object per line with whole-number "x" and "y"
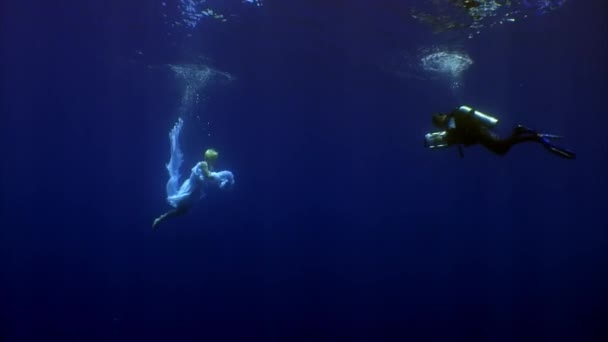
{"x": 202, "y": 178}
{"x": 466, "y": 126}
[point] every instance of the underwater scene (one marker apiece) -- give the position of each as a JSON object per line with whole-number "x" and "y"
{"x": 304, "y": 170}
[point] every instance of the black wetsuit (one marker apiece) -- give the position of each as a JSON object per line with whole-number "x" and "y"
{"x": 470, "y": 130}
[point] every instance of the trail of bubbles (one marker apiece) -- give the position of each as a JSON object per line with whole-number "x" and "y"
{"x": 195, "y": 77}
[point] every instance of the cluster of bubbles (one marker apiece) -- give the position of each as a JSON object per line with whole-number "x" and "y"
{"x": 191, "y": 12}
{"x": 255, "y": 2}
{"x": 475, "y": 15}
{"x": 543, "y": 6}
{"x": 446, "y": 64}
{"x": 193, "y": 78}
{"x": 442, "y": 63}
{"x": 449, "y": 63}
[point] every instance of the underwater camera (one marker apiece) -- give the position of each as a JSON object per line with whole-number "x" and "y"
{"x": 435, "y": 139}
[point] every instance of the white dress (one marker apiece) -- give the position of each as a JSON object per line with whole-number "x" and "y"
{"x": 193, "y": 187}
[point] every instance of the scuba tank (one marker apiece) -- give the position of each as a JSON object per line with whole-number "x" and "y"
{"x": 436, "y": 139}
{"x": 487, "y": 120}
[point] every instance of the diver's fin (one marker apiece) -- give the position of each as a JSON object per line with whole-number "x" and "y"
{"x": 550, "y": 136}
{"x": 562, "y": 152}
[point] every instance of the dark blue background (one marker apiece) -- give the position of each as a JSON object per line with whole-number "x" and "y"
{"x": 342, "y": 226}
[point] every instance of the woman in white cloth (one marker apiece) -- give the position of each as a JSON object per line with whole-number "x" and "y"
{"x": 202, "y": 177}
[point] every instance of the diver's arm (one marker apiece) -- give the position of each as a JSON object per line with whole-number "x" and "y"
{"x": 224, "y": 178}
{"x": 451, "y": 123}
{"x": 206, "y": 173}
{"x": 205, "y": 168}
{"x": 453, "y": 130}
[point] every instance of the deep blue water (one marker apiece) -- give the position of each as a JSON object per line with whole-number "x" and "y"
{"x": 342, "y": 226}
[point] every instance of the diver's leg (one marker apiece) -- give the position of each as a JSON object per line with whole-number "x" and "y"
{"x": 500, "y": 146}
{"x": 177, "y": 158}
{"x": 520, "y": 136}
{"x": 494, "y": 143}
{"x": 523, "y": 134}
{"x": 521, "y": 129}
{"x": 171, "y": 213}
{"x": 161, "y": 218}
